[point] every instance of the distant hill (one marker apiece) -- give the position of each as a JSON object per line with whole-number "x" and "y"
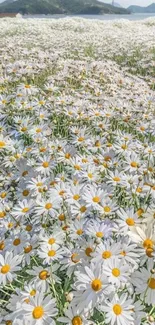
{"x": 138, "y": 9}
{"x": 59, "y": 7}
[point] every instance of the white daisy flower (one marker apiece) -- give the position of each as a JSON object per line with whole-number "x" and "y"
{"x": 118, "y": 310}
{"x": 9, "y": 264}
{"x": 40, "y": 310}
{"x": 93, "y": 285}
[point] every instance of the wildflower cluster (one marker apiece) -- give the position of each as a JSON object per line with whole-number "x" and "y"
{"x": 77, "y": 189}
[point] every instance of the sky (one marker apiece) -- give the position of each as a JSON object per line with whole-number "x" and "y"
{"x": 126, "y": 3}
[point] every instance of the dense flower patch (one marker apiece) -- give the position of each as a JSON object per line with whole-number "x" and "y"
{"x": 77, "y": 188}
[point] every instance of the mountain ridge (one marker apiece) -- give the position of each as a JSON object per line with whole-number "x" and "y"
{"x": 139, "y": 9}
{"x": 59, "y": 7}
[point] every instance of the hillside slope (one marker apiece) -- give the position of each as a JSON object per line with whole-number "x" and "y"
{"x": 138, "y": 9}
{"x": 60, "y": 7}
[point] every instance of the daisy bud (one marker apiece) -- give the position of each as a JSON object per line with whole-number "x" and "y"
{"x": 12, "y": 158}
{"x": 98, "y": 241}
{"x": 7, "y": 209}
{"x": 153, "y": 271}
{"x": 69, "y": 296}
{"x": 130, "y": 181}
{"x": 140, "y": 178}
{"x": 151, "y": 319}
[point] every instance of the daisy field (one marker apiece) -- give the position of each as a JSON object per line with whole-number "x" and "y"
{"x": 77, "y": 172}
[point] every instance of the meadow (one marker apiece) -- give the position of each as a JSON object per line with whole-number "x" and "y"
{"x": 77, "y": 172}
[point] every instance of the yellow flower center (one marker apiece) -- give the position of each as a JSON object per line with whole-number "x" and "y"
{"x": 124, "y": 146}
{"x": 48, "y": 206}
{"x": 28, "y": 228}
{"x": 2, "y": 144}
{"x": 42, "y": 149}
{"x": 140, "y": 212}
{"x": 2, "y": 214}
{"x": 96, "y": 161}
{"x": 96, "y": 199}
{"x": 83, "y": 209}
{"x": 61, "y": 217}
{"x": 25, "y": 173}
{"x": 97, "y": 144}
{"x": 45, "y": 164}
{"x": 67, "y": 155}
{"x": 123, "y": 253}
{"x": 107, "y": 158}
{"x": 139, "y": 190}
{"x": 106, "y": 254}
{"x": 88, "y": 251}
{"x": 151, "y": 283}
{"x": 116, "y": 179}
{"x": 3, "y": 195}
{"x": 32, "y": 292}
{"x": 27, "y": 86}
{"x": 96, "y": 285}
{"x": 62, "y": 192}
{"x": 117, "y": 309}
{"x": 51, "y": 253}
{"x": 28, "y": 249}
{"x": 39, "y": 184}
{"x": 77, "y": 167}
{"x": 43, "y": 275}
{"x": 2, "y": 245}
{"x": 24, "y": 129}
{"x": 74, "y": 258}
{"x": 148, "y": 243}
{"x": 38, "y": 312}
{"x": 130, "y": 222}
{"x": 25, "y": 209}
{"x": 10, "y": 225}
{"x": 76, "y": 197}
{"x": 107, "y": 209}
{"x": 90, "y": 175}
{"x": 8, "y": 322}
{"x": 149, "y": 251}
{"x": 51, "y": 241}
{"x": 99, "y": 234}
{"x": 16, "y": 242}
{"x": 134, "y": 164}
{"x": 79, "y": 232}
{"x": 26, "y": 193}
{"x": 38, "y": 130}
{"x": 77, "y": 320}
{"x": 5, "y": 269}
{"x": 81, "y": 139}
{"x": 115, "y": 272}
{"x": 142, "y": 128}
{"x": 84, "y": 160}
